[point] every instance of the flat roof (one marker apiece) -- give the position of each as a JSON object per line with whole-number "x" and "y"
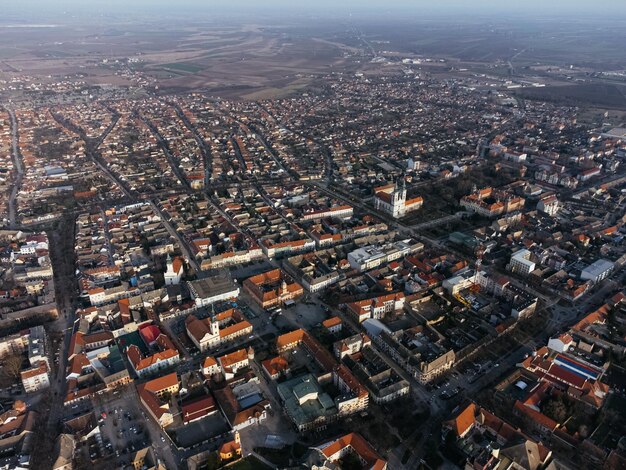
{"x": 619, "y": 132}
{"x": 599, "y": 267}
{"x": 212, "y": 286}
{"x": 310, "y": 410}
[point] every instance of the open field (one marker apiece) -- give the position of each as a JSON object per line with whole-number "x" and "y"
{"x": 597, "y": 94}
{"x": 272, "y": 57}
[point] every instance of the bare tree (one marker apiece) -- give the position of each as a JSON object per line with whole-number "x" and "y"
{"x": 11, "y": 367}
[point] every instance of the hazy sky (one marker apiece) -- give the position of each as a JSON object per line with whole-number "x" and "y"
{"x": 612, "y": 9}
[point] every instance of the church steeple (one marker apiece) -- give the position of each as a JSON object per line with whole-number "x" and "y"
{"x": 215, "y": 326}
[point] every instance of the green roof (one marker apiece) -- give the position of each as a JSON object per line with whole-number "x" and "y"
{"x": 292, "y": 390}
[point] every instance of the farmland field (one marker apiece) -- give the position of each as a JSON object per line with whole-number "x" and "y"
{"x": 602, "y": 95}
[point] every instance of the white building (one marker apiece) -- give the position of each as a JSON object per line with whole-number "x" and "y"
{"x": 414, "y": 164}
{"x": 392, "y": 199}
{"x": 212, "y": 289}
{"x": 210, "y": 367}
{"x": 517, "y": 157}
{"x": 520, "y": 262}
{"x": 174, "y": 271}
{"x": 463, "y": 281}
{"x": 370, "y": 257}
{"x": 37, "y": 346}
{"x": 597, "y": 271}
{"x": 548, "y": 205}
{"x": 561, "y": 343}
{"x": 342, "y": 212}
{"x": 36, "y": 378}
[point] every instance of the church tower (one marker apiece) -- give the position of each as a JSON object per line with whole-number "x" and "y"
{"x": 398, "y": 198}
{"x": 215, "y": 326}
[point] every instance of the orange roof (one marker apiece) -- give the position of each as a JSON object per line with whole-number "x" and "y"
{"x": 77, "y": 364}
{"x": 161, "y": 383}
{"x": 42, "y": 368}
{"x": 236, "y": 357}
{"x": 230, "y": 447}
{"x": 150, "y": 400}
{"x": 275, "y": 365}
{"x": 266, "y": 277}
{"x": 358, "y": 445}
{"x": 536, "y": 416}
{"x": 134, "y": 356}
{"x": 333, "y": 321}
{"x": 103, "y": 269}
{"x": 177, "y": 264}
{"x": 597, "y": 316}
{"x": 290, "y": 338}
{"x": 209, "y": 361}
{"x": 232, "y": 329}
{"x": 465, "y": 420}
{"x": 415, "y": 200}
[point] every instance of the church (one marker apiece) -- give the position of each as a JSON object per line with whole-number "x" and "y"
{"x": 174, "y": 271}
{"x": 392, "y": 199}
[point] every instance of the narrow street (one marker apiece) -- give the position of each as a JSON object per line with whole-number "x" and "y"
{"x": 92, "y": 152}
{"x": 205, "y": 148}
{"x": 181, "y": 242}
{"x": 166, "y": 151}
{"x": 19, "y": 167}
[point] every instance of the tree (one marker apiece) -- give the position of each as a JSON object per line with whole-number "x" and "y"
{"x": 12, "y": 366}
{"x": 350, "y": 462}
{"x": 556, "y": 409}
{"x": 213, "y": 462}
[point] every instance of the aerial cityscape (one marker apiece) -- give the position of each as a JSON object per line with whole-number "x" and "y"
{"x": 330, "y": 236}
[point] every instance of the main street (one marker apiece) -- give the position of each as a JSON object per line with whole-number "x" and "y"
{"x": 92, "y": 149}
{"x": 205, "y": 148}
{"x": 19, "y": 167}
{"x": 184, "y": 248}
{"x": 166, "y": 150}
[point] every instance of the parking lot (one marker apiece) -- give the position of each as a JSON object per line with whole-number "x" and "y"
{"x": 305, "y": 314}
{"x": 125, "y": 427}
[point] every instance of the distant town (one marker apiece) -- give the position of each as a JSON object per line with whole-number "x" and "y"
{"x": 398, "y": 269}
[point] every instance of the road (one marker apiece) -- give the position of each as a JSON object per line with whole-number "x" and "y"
{"x": 66, "y": 290}
{"x": 92, "y": 152}
{"x": 435, "y": 222}
{"x": 19, "y": 167}
{"x": 166, "y": 150}
{"x": 107, "y": 236}
{"x": 205, "y": 148}
{"x": 328, "y": 158}
{"x": 181, "y": 242}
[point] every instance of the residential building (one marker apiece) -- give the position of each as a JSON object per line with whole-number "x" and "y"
{"x": 146, "y": 364}
{"x": 36, "y": 378}
{"x": 333, "y": 324}
{"x": 521, "y": 262}
{"x": 330, "y": 453}
{"x": 597, "y": 271}
{"x": 272, "y": 288}
{"x": 548, "y": 205}
{"x": 376, "y": 307}
{"x": 155, "y": 396}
